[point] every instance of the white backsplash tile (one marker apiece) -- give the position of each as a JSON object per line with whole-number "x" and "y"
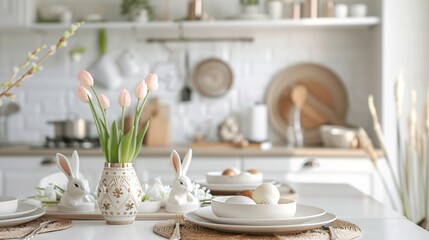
{"x": 51, "y": 93}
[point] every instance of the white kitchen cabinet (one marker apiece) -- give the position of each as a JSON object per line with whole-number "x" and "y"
{"x": 357, "y": 172}
{"x": 21, "y": 174}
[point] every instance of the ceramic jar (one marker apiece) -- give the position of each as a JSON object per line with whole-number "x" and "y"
{"x": 119, "y": 193}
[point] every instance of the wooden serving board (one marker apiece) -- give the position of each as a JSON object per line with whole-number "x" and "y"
{"x": 52, "y": 211}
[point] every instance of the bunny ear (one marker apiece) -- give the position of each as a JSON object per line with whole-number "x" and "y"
{"x": 186, "y": 162}
{"x": 175, "y": 160}
{"x": 64, "y": 165}
{"x": 75, "y": 164}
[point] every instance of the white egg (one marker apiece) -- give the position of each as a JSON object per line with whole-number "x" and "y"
{"x": 246, "y": 174}
{"x": 237, "y": 171}
{"x": 266, "y": 191}
{"x": 268, "y": 202}
{"x": 240, "y": 200}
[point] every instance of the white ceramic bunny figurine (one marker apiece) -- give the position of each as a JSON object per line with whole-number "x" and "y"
{"x": 181, "y": 199}
{"x": 76, "y": 197}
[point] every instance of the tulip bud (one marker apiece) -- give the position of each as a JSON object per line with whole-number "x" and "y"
{"x": 83, "y": 94}
{"x": 104, "y": 101}
{"x": 152, "y": 82}
{"x": 85, "y": 79}
{"x": 124, "y": 99}
{"x": 141, "y": 89}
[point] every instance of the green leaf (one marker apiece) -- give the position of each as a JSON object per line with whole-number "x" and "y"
{"x": 126, "y": 148}
{"x": 140, "y": 138}
{"x": 113, "y": 143}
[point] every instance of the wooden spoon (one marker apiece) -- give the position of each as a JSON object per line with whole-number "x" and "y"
{"x": 299, "y": 96}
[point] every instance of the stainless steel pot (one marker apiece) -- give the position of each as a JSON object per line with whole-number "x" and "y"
{"x": 72, "y": 129}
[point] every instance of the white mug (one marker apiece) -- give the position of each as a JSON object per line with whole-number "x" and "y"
{"x": 358, "y": 10}
{"x": 341, "y": 10}
{"x": 275, "y": 9}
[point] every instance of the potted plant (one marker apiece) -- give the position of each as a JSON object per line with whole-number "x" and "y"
{"x": 250, "y": 6}
{"x": 119, "y": 191}
{"x": 137, "y": 10}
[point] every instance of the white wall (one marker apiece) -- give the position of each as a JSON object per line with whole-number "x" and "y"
{"x": 51, "y": 94}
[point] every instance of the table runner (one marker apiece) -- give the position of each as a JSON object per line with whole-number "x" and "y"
{"x": 22, "y": 229}
{"x": 190, "y": 231}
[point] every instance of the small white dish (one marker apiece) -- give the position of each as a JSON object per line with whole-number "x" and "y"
{"x": 27, "y": 218}
{"x": 233, "y": 187}
{"x": 242, "y": 178}
{"x": 149, "y": 206}
{"x": 8, "y": 204}
{"x": 286, "y": 208}
{"x": 315, "y": 223}
{"x": 303, "y": 214}
{"x": 23, "y": 209}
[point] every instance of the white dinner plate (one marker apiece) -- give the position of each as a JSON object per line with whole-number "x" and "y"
{"x": 303, "y": 214}
{"x": 315, "y": 223}
{"x": 233, "y": 187}
{"x": 23, "y": 219}
{"x": 23, "y": 209}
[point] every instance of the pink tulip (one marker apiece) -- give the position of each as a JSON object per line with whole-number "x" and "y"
{"x": 104, "y": 101}
{"x": 85, "y": 79}
{"x": 141, "y": 89}
{"x": 124, "y": 99}
{"x": 152, "y": 82}
{"x": 83, "y": 94}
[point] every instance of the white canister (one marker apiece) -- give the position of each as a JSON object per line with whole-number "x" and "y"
{"x": 341, "y": 10}
{"x": 258, "y": 124}
{"x": 358, "y": 10}
{"x": 275, "y": 9}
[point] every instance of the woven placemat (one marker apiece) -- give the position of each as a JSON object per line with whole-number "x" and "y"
{"x": 22, "y": 229}
{"x": 190, "y": 231}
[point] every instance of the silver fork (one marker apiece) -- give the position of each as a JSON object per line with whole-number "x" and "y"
{"x": 36, "y": 231}
{"x": 180, "y": 220}
{"x": 332, "y": 234}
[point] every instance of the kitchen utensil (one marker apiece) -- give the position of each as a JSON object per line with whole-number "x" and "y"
{"x": 22, "y": 209}
{"x": 36, "y": 231}
{"x": 341, "y": 10}
{"x": 322, "y": 85}
{"x": 216, "y": 177}
{"x": 180, "y": 220}
{"x": 332, "y": 234}
{"x": 358, "y": 10}
{"x": 26, "y": 218}
{"x": 186, "y": 93}
{"x": 159, "y": 133}
{"x": 212, "y": 77}
{"x": 8, "y": 204}
{"x": 298, "y": 96}
{"x": 286, "y": 208}
{"x": 303, "y": 214}
{"x": 270, "y": 229}
{"x": 128, "y": 63}
{"x": 72, "y": 128}
{"x": 105, "y": 71}
{"x": 338, "y": 136}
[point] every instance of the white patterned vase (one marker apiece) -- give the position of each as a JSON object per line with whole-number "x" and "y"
{"x": 119, "y": 193}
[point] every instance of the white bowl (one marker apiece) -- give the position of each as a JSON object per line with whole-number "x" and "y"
{"x": 242, "y": 178}
{"x": 149, "y": 206}
{"x": 285, "y": 209}
{"x": 338, "y": 137}
{"x": 8, "y": 204}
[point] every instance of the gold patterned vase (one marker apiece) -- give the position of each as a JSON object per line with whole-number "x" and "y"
{"x": 119, "y": 193}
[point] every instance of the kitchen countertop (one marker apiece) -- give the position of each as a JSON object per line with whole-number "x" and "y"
{"x": 376, "y": 220}
{"x": 275, "y": 151}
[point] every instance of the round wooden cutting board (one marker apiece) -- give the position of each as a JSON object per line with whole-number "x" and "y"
{"x": 326, "y": 101}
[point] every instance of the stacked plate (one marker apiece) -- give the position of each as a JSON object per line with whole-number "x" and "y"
{"x": 13, "y": 213}
{"x": 305, "y": 218}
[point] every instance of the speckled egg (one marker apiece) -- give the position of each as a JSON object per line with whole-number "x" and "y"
{"x": 266, "y": 191}
{"x": 240, "y": 200}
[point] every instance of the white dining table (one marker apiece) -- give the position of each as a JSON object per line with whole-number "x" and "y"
{"x": 376, "y": 220}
